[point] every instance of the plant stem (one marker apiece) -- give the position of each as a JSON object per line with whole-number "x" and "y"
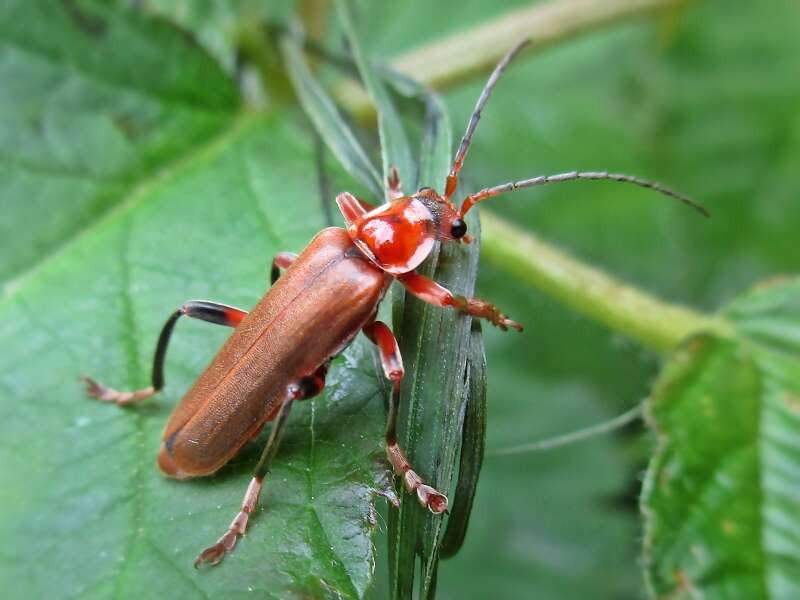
{"x": 452, "y": 60}
{"x": 630, "y": 311}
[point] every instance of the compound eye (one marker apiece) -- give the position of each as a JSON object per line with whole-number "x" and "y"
{"x": 458, "y": 228}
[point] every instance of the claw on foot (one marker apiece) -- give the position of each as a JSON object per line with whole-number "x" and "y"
{"x": 95, "y": 389}
{"x": 435, "y": 501}
{"x": 484, "y": 310}
{"x": 428, "y": 497}
{"x": 213, "y": 555}
{"x": 393, "y": 179}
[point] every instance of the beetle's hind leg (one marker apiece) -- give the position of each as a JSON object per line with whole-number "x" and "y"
{"x": 305, "y": 387}
{"x": 212, "y": 312}
{"x": 392, "y": 363}
{"x": 282, "y": 260}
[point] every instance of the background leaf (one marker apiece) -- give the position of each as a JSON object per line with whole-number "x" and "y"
{"x": 328, "y": 122}
{"x": 683, "y": 99}
{"x": 80, "y": 491}
{"x": 721, "y": 492}
{"x": 395, "y": 149}
{"x": 89, "y": 109}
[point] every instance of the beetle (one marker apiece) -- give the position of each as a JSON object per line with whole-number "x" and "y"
{"x": 279, "y": 353}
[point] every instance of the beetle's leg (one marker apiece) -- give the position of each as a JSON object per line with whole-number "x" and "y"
{"x": 352, "y": 208}
{"x": 392, "y": 363}
{"x": 282, "y": 260}
{"x": 212, "y": 312}
{"x": 393, "y": 184}
{"x": 305, "y": 387}
{"x": 431, "y": 292}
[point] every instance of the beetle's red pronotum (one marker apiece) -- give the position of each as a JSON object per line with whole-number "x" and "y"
{"x": 280, "y": 351}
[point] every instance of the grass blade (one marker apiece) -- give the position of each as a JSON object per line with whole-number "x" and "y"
{"x": 435, "y": 345}
{"x": 473, "y": 444}
{"x": 333, "y": 129}
{"x": 395, "y": 149}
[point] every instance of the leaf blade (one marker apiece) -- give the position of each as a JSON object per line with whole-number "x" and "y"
{"x": 82, "y": 122}
{"x": 719, "y": 495}
{"x": 326, "y": 118}
{"x": 395, "y": 149}
{"x": 83, "y": 493}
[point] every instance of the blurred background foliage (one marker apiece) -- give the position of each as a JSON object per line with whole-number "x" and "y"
{"x": 704, "y": 96}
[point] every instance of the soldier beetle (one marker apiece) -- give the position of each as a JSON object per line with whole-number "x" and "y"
{"x": 280, "y": 352}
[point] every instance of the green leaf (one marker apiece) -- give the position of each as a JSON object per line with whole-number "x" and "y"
{"x": 84, "y": 491}
{"x": 84, "y": 511}
{"x": 326, "y": 118}
{"x": 395, "y": 149}
{"x": 473, "y": 442}
{"x": 721, "y": 492}
{"x": 89, "y": 109}
{"x": 681, "y": 100}
{"x": 436, "y": 345}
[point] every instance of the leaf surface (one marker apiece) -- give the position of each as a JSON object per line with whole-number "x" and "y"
{"x": 721, "y": 495}
{"x": 203, "y": 199}
{"x": 89, "y": 110}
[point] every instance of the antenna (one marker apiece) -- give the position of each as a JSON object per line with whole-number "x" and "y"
{"x": 486, "y": 193}
{"x": 458, "y": 161}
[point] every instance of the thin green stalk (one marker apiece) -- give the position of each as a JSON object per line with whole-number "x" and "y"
{"x": 453, "y": 59}
{"x": 573, "y": 437}
{"x": 630, "y": 311}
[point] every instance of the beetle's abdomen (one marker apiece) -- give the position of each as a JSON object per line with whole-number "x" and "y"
{"x": 312, "y": 311}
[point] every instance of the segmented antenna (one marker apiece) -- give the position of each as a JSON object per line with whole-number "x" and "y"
{"x": 485, "y": 193}
{"x": 458, "y": 161}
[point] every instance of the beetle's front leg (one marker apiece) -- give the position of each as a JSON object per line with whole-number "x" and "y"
{"x": 431, "y": 292}
{"x": 392, "y": 362}
{"x": 212, "y": 312}
{"x": 393, "y": 184}
{"x": 305, "y": 387}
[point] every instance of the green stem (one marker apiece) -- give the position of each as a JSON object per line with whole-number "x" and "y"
{"x": 456, "y": 58}
{"x": 590, "y": 291}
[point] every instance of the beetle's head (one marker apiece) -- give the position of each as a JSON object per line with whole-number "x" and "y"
{"x": 399, "y": 235}
{"x": 449, "y": 223}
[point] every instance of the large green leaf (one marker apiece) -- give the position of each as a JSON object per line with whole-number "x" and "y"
{"x": 721, "y": 495}
{"x": 79, "y": 482}
{"x": 89, "y": 107}
{"x": 84, "y": 511}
